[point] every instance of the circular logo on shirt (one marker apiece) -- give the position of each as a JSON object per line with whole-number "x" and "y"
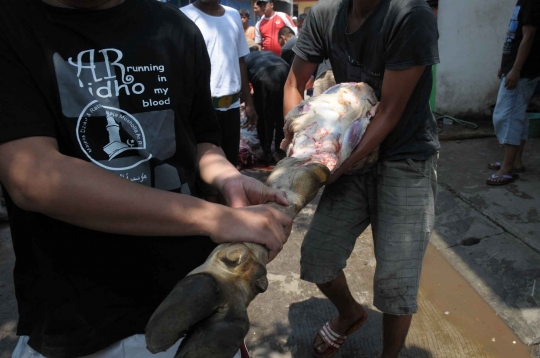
{"x": 111, "y": 137}
{"x": 278, "y": 21}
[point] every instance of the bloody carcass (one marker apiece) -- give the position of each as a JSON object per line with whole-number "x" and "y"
{"x": 209, "y": 306}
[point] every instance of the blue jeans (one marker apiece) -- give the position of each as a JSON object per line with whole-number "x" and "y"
{"x": 510, "y": 116}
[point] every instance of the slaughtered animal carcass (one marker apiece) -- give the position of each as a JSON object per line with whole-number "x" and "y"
{"x": 325, "y": 129}
{"x": 209, "y": 306}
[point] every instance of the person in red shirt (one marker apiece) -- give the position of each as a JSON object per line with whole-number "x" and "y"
{"x": 267, "y": 27}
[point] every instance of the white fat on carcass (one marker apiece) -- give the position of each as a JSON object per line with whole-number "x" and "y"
{"x": 325, "y": 129}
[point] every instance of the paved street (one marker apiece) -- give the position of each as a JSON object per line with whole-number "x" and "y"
{"x": 476, "y": 296}
{"x": 472, "y": 298}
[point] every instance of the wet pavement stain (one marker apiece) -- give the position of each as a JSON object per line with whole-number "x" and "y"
{"x": 448, "y": 291}
{"x": 520, "y": 194}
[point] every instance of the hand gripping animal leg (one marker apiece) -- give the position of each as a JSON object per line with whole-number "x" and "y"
{"x": 209, "y": 306}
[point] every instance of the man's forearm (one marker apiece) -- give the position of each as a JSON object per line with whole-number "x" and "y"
{"x": 213, "y": 165}
{"x": 292, "y": 96}
{"x": 245, "y": 92}
{"x": 299, "y": 75}
{"x": 524, "y": 50}
{"x": 397, "y": 89}
{"x": 80, "y": 193}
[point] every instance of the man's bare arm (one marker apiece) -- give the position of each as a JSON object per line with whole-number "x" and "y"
{"x": 41, "y": 179}
{"x": 217, "y": 171}
{"x": 245, "y": 94}
{"x": 397, "y": 89}
{"x": 299, "y": 76}
{"x": 512, "y": 77}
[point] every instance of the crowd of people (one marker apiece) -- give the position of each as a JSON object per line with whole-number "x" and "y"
{"x": 119, "y": 150}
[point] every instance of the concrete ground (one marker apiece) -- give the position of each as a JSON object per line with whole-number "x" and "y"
{"x": 476, "y": 297}
{"x": 476, "y": 291}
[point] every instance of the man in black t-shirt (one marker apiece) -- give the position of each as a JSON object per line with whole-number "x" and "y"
{"x": 519, "y": 74}
{"x": 267, "y": 74}
{"x": 106, "y": 121}
{"x": 390, "y": 45}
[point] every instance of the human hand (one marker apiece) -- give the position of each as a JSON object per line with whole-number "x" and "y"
{"x": 336, "y": 174}
{"x": 241, "y": 190}
{"x": 512, "y": 79}
{"x": 499, "y": 73}
{"x": 259, "y": 224}
{"x": 252, "y": 117}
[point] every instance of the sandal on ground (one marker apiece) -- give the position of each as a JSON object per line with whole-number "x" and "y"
{"x": 335, "y": 340}
{"x": 497, "y": 166}
{"x": 507, "y": 179}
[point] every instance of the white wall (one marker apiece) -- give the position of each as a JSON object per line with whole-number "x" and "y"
{"x": 472, "y": 33}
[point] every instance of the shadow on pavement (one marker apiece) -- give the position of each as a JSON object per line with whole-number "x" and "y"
{"x": 294, "y": 339}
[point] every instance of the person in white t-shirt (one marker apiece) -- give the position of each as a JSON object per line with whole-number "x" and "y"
{"x": 222, "y": 29}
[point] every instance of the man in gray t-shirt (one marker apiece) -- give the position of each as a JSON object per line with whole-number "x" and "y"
{"x": 390, "y": 45}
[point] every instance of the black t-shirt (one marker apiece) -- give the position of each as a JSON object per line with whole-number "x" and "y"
{"x": 127, "y": 89}
{"x": 287, "y": 52}
{"x": 259, "y": 61}
{"x": 397, "y": 35}
{"x": 526, "y": 13}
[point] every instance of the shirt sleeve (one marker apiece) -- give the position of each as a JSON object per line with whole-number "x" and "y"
{"x": 310, "y": 45}
{"x": 531, "y": 13}
{"x": 202, "y": 117}
{"x": 24, "y": 109}
{"x": 413, "y": 40}
{"x": 288, "y": 22}
{"x": 258, "y": 38}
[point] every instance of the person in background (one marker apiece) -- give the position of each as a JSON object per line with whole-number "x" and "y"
{"x": 300, "y": 21}
{"x": 99, "y": 171}
{"x": 249, "y": 31}
{"x": 226, "y": 43}
{"x": 391, "y": 46}
{"x": 266, "y": 29}
{"x": 258, "y": 10}
{"x": 294, "y": 19}
{"x": 519, "y": 74}
{"x": 287, "y": 40}
{"x": 267, "y": 74}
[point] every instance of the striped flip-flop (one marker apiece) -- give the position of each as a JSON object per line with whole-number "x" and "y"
{"x": 334, "y": 340}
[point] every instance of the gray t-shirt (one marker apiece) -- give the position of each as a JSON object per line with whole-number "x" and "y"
{"x": 397, "y": 35}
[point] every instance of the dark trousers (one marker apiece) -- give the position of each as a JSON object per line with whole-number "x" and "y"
{"x": 230, "y": 133}
{"x": 268, "y": 98}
